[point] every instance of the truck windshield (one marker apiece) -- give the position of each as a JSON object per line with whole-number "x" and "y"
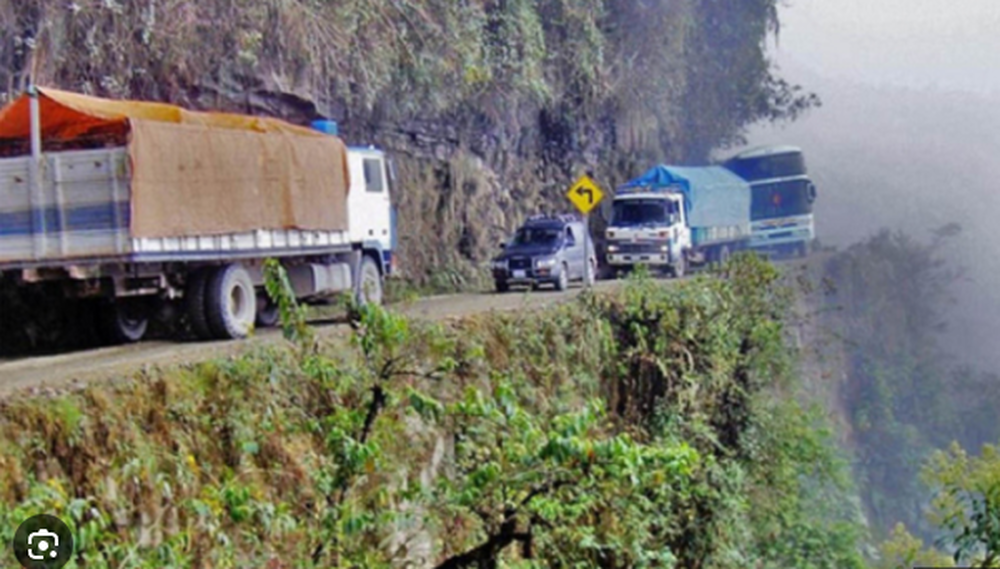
{"x": 631, "y": 213}
{"x": 537, "y": 236}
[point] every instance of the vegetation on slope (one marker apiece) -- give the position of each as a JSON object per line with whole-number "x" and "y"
{"x": 649, "y": 427}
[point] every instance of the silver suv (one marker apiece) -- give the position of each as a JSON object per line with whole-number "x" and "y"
{"x": 547, "y": 250}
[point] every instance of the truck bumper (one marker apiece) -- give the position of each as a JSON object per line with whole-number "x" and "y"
{"x": 630, "y": 259}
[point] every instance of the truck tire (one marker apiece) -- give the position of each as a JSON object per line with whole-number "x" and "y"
{"x": 122, "y": 323}
{"x": 563, "y": 282}
{"x": 370, "y": 289}
{"x": 724, "y": 255}
{"x": 230, "y": 302}
{"x": 680, "y": 268}
{"x": 194, "y": 303}
{"x": 268, "y": 313}
{"x": 501, "y": 286}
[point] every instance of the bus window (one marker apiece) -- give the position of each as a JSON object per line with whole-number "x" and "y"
{"x": 781, "y": 199}
{"x": 768, "y": 167}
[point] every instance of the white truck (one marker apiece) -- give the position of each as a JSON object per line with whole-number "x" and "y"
{"x": 673, "y": 216}
{"x": 145, "y": 208}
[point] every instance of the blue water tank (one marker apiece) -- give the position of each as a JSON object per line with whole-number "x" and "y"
{"x": 326, "y": 126}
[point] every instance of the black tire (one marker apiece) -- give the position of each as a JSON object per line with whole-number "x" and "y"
{"x": 230, "y": 302}
{"x": 370, "y": 289}
{"x": 501, "y": 286}
{"x": 563, "y": 282}
{"x": 123, "y": 322}
{"x": 268, "y": 313}
{"x": 680, "y": 268}
{"x": 194, "y": 303}
{"x": 724, "y": 255}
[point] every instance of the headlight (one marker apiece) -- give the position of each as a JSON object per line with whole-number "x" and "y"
{"x": 665, "y": 248}
{"x": 500, "y": 265}
{"x": 549, "y": 262}
{"x": 613, "y": 248}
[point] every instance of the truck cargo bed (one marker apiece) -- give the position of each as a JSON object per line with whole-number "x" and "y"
{"x": 82, "y": 211}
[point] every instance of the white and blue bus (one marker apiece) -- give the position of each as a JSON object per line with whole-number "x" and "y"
{"x": 781, "y": 212}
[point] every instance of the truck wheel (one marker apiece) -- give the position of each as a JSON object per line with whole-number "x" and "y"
{"x": 230, "y": 302}
{"x": 680, "y": 268}
{"x": 724, "y": 255}
{"x": 370, "y": 291}
{"x": 563, "y": 282}
{"x": 194, "y": 303}
{"x": 591, "y": 274}
{"x": 268, "y": 313}
{"x": 501, "y": 286}
{"x": 123, "y": 322}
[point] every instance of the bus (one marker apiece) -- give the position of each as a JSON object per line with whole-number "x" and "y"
{"x": 781, "y": 211}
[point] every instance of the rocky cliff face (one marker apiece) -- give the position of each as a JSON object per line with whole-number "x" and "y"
{"x": 490, "y": 107}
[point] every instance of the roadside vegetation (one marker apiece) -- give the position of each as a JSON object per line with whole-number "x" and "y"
{"x": 654, "y": 426}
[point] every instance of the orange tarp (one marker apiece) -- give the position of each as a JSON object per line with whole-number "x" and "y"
{"x": 67, "y": 115}
{"x": 196, "y": 173}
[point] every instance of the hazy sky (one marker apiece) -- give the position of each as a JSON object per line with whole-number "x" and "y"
{"x": 908, "y": 136}
{"x": 948, "y": 44}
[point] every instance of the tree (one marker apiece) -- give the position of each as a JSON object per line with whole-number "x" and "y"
{"x": 568, "y": 490}
{"x": 966, "y": 503}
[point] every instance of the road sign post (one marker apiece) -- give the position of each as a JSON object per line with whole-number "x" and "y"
{"x": 585, "y": 195}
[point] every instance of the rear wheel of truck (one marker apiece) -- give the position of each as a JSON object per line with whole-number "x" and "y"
{"x": 370, "y": 289}
{"x": 230, "y": 302}
{"x": 123, "y": 322}
{"x": 501, "y": 286}
{"x": 194, "y": 303}
{"x": 724, "y": 255}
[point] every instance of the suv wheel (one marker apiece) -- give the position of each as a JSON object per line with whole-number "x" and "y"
{"x": 563, "y": 282}
{"x": 501, "y": 286}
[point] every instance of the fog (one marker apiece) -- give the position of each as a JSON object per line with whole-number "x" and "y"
{"x": 908, "y": 136}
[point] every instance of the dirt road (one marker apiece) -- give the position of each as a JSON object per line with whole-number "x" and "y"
{"x": 65, "y": 370}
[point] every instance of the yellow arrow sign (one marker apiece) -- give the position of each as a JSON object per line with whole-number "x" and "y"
{"x": 585, "y": 194}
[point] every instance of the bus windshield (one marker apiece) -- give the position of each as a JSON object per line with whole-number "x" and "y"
{"x": 638, "y": 212}
{"x": 768, "y": 167}
{"x": 782, "y": 199}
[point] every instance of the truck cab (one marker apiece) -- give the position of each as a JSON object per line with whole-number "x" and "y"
{"x": 648, "y": 228}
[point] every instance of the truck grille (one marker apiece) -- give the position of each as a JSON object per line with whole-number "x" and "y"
{"x": 639, "y": 248}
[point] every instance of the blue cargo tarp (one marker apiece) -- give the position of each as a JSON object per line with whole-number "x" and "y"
{"x": 714, "y": 196}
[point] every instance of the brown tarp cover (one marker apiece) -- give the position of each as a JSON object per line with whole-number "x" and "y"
{"x": 199, "y": 173}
